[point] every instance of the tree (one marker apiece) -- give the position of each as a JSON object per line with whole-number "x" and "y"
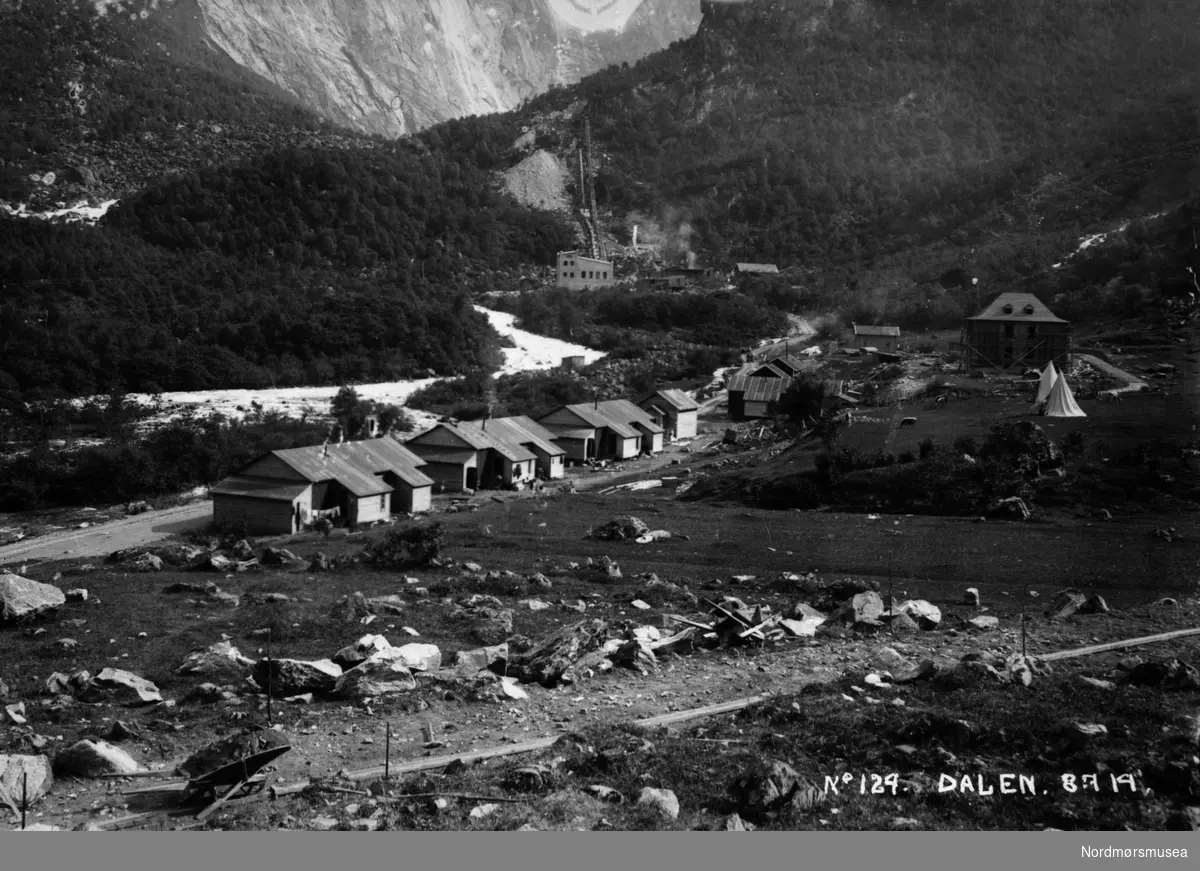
{"x": 803, "y": 400}
{"x": 351, "y": 412}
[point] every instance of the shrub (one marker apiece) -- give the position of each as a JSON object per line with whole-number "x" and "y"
{"x": 415, "y": 544}
{"x": 926, "y": 448}
{"x": 1073, "y": 444}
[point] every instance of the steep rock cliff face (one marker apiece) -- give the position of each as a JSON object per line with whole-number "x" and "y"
{"x": 395, "y": 66}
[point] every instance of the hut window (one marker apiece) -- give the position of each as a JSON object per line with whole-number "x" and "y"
{"x": 1033, "y": 329}
{"x": 1008, "y": 309}
{"x": 383, "y": 502}
{"x": 1029, "y": 309}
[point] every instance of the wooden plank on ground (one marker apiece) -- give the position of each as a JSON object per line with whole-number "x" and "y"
{"x": 432, "y": 762}
{"x": 1117, "y": 645}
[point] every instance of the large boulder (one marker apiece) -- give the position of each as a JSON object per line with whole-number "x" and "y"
{"x": 90, "y": 758}
{"x": 22, "y": 599}
{"x": 123, "y": 687}
{"x": 926, "y": 614}
{"x": 361, "y": 650}
{"x": 550, "y": 661}
{"x": 179, "y": 555}
{"x": 494, "y": 658}
{"x": 417, "y": 656}
{"x": 34, "y": 772}
{"x": 620, "y": 528}
{"x": 381, "y": 675}
{"x": 864, "y": 609}
{"x": 274, "y": 556}
{"x": 220, "y": 660}
{"x": 291, "y": 677}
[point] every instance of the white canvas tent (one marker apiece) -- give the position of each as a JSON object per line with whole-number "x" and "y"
{"x": 1046, "y": 383}
{"x": 1061, "y": 402}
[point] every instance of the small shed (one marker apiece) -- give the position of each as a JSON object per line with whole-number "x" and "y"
{"x": 265, "y": 506}
{"x": 878, "y": 336}
{"x": 754, "y": 396}
{"x": 673, "y": 410}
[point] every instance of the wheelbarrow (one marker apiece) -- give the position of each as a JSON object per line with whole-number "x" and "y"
{"x": 243, "y": 776}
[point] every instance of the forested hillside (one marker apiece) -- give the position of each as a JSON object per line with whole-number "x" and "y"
{"x": 878, "y": 142}
{"x": 305, "y": 266}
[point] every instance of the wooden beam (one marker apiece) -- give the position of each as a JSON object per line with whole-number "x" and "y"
{"x": 1116, "y": 645}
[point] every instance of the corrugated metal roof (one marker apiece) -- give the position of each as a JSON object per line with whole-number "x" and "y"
{"x": 786, "y": 363}
{"x": 467, "y": 437}
{"x": 875, "y": 330}
{"x": 496, "y": 438}
{"x": 617, "y": 415}
{"x": 569, "y": 432}
{"x": 260, "y": 488}
{"x": 755, "y": 369}
{"x": 1019, "y": 301}
{"x": 758, "y": 267}
{"x": 438, "y": 454}
{"x": 519, "y": 432}
{"x": 759, "y": 389}
{"x": 384, "y": 455}
{"x": 677, "y": 399}
{"x": 315, "y": 464}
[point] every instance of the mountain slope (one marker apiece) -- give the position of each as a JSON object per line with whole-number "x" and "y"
{"x": 878, "y": 141}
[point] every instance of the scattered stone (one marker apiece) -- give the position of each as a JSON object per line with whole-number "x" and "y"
{"x": 535, "y": 604}
{"x": 323, "y": 824}
{"x": 1094, "y": 605}
{"x": 472, "y": 567}
{"x": 196, "y": 589}
{"x": 22, "y": 599}
{"x": 661, "y": 800}
{"x": 540, "y": 581}
{"x": 971, "y": 597}
{"x": 606, "y": 793}
{"x": 274, "y": 556}
{"x": 905, "y": 823}
{"x": 122, "y": 731}
{"x": 734, "y": 823}
{"x": 361, "y": 650}
{"x": 926, "y": 614}
{"x": 766, "y": 786}
{"x": 384, "y": 605}
{"x": 290, "y": 677}
{"x": 864, "y": 609}
{"x": 381, "y": 675}
{"x": 1095, "y": 682}
{"x": 640, "y": 605}
{"x": 902, "y": 625}
{"x": 965, "y": 674}
{"x": 242, "y": 550}
{"x": 620, "y": 528}
{"x": 144, "y": 562}
{"x": 122, "y": 687}
{"x": 1171, "y": 674}
{"x": 66, "y": 645}
{"x": 984, "y": 622}
{"x": 483, "y": 810}
{"x": 93, "y": 758}
{"x": 220, "y": 660}
{"x": 493, "y": 658}
{"x": 550, "y": 661}
{"x": 1013, "y": 506}
{"x": 320, "y": 563}
{"x": 1067, "y": 603}
{"x": 35, "y": 771}
{"x": 77, "y": 595}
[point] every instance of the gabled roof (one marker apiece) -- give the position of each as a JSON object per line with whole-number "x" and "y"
{"x": 786, "y": 363}
{"x": 384, "y": 455}
{"x": 677, "y": 399}
{"x": 511, "y": 437}
{"x": 875, "y": 330}
{"x": 317, "y": 464}
{"x": 1020, "y": 307}
{"x": 474, "y": 434}
{"x": 757, "y": 389}
{"x": 617, "y": 415}
{"x": 758, "y": 267}
{"x": 260, "y": 488}
{"x": 754, "y": 368}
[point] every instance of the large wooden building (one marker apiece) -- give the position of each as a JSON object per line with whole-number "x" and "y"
{"x": 881, "y": 337}
{"x": 573, "y": 271}
{"x": 523, "y": 432}
{"x": 673, "y": 410}
{"x": 358, "y": 482}
{"x": 614, "y": 429}
{"x": 1016, "y": 331}
{"x": 499, "y": 452}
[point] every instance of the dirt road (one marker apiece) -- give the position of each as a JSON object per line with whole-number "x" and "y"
{"x": 100, "y": 540}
